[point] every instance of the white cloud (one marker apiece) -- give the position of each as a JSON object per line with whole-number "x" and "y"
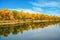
{"x": 53, "y": 13}
{"x": 33, "y": 10}
{"x": 52, "y": 4}
{"x": 46, "y": 4}
{"x": 47, "y": 7}
{"x": 37, "y": 9}
{"x": 35, "y": 4}
{"x": 25, "y": 10}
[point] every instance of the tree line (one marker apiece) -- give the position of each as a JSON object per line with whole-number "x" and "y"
{"x": 6, "y": 14}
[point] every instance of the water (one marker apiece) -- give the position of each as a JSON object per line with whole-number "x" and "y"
{"x": 31, "y": 31}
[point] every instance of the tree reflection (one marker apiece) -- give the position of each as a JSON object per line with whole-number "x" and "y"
{"x": 5, "y": 30}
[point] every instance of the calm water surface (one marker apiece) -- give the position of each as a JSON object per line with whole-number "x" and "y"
{"x": 31, "y": 31}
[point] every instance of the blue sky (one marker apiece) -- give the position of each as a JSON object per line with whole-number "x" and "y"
{"x": 51, "y": 7}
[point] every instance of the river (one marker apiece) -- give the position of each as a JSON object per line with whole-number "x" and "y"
{"x": 31, "y": 31}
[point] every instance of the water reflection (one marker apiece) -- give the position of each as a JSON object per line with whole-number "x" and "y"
{"x": 5, "y": 30}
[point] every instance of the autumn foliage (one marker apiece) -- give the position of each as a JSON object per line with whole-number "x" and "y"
{"x": 6, "y": 14}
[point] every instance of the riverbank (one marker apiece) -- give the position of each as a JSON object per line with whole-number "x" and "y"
{"x": 21, "y": 21}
